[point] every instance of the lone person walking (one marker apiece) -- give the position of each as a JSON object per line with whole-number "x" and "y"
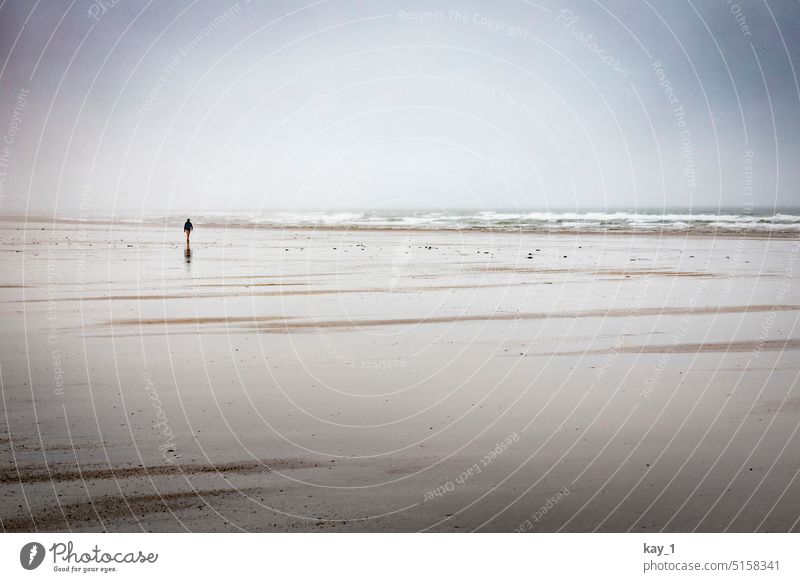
{"x": 187, "y": 230}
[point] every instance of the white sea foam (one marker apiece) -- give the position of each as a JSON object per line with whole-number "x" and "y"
{"x": 704, "y": 220}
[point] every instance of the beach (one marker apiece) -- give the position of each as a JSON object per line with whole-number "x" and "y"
{"x": 407, "y": 379}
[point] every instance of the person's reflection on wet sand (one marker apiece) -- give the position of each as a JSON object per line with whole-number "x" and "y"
{"x": 187, "y": 231}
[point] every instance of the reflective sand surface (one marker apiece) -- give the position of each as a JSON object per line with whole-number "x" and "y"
{"x": 309, "y": 379}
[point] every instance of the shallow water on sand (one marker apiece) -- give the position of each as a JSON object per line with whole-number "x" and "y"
{"x": 396, "y": 380}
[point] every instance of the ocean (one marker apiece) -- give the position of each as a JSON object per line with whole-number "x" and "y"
{"x": 704, "y": 221}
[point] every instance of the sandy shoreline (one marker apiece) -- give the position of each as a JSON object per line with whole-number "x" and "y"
{"x": 319, "y": 379}
{"x": 544, "y": 231}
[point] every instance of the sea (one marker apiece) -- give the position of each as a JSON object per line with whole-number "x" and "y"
{"x": 704, "y": 221}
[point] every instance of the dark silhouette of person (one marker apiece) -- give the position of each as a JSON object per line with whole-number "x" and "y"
{"x": 187, "y": 230}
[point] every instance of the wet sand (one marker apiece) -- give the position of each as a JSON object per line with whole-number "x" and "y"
{"x": 337, "y": 380}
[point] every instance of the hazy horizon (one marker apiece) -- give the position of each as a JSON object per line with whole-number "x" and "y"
{"x": 554, "y": 209}
{"x": 209, "y": 106}
{"x": 77, "y": 213}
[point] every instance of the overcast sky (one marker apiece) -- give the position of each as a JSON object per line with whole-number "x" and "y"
{"x": 203, "y": 106}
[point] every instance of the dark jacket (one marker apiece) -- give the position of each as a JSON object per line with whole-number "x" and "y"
{"x": 188, "y": 226}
